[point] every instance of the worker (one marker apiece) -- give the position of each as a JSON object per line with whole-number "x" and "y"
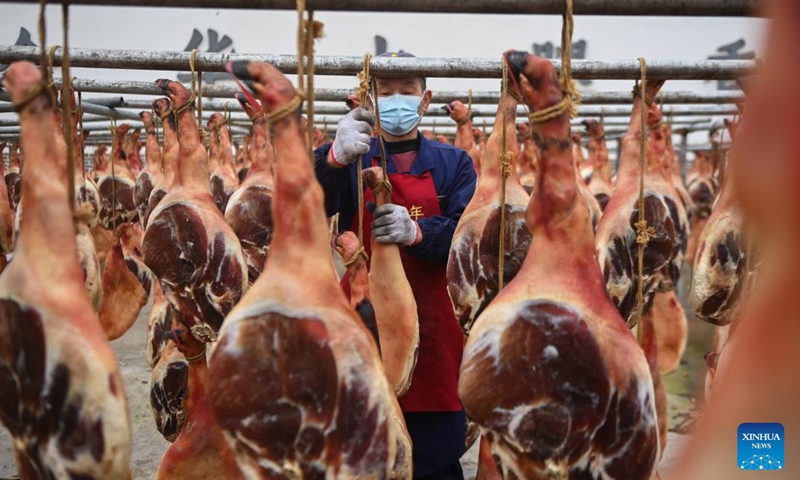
{"x": 431, "y": 185}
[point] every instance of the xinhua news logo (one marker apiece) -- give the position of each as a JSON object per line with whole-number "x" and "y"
{"x": 761, "y": 446}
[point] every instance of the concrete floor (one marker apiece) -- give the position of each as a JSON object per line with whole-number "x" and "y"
{"x": 149, "y": 446}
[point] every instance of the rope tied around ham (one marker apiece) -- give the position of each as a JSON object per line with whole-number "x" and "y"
{"x": 643, "y": 232}
{"x": 288, "y": 109}
{"x": 571, "y": 96}
{"x": 505, "y": 159}
{"x": 196, "y": 94}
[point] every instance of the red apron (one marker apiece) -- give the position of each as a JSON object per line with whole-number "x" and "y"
{"x": 434, "y": 384}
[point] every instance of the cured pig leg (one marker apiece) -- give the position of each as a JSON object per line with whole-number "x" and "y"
{"x": 63, "y": 398}
{"x": 116, "y": 188}
{"x": 12, "y": 176}
{"x": 671, "y": 329}
{"x": 133, "y": 147}
{"x": 332, "y": 413}
{"x": 243, "y": 162}
{"x": 464, "y": 138}
{"x": 600, "y": 185}
{"x": 223, "y": 174}
{"x": 6, "y": 217}
{"x": 526, "y": 164}
{"x": 249, "y": 210}
{"x": 169, "y": 382}
{"x": 650, "y": 347}
{"x": 169, "y": 156}
{"x": 355, "y": 260}
{"x": 551, "y": 374}
{"x": 658, "y": 159}
{"x": 393, "y": 300}
{"x": 719, "y": 274}
{"x": 130, "y": 236}
{"x": 123, "y": 295}
{"x": 169, "y": 388}
{"x": 188, "y": 246}
{"x": 200, "y": 451}
{"x": 153, "y": 171}
{"x": 472, "y": 275}
{"x": 702, "y": 188}
{"x": 616, "y": 234}
{"x": 584, "y": 168}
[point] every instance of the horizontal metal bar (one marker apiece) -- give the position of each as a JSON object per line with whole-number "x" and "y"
{"x": 680, "y": 8}
{"x": 126, "y": 87}
{"x": 95, "y": 109}
{"x": 386, "y": 66}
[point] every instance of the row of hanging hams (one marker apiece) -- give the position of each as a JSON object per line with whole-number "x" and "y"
{"x": 552, "y": 374}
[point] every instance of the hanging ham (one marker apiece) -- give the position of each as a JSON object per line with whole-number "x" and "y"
{"x": 472, "y": 267}
{"x": 169, "y": 388}
{"x": 551, "y": 374}
{"x": 720, "y": 264}
{"x": 116, "y": 185}
{"x": 188, "y": 246}
{"x": 169, "y": 382}
{"x": 464, "y": 140}
{"x": 63, "y": 397}
{"x": 133, "y": 150}
{"x": 616, "y": 234}
{"x": 332, "y": 413}
{"x": 12, "y": 175}
{"x": 169, "y": 154}
{"x": 526, "y": 164}
{"x": 153, "y": 171}
{"x": 393, "y": 300}
{"x": 6, "y": 217}
{"x": 249, "y": 210}
{"x": 220, "y": 161}
{"x": 701, "y": 185}
{"x": 600, "y": 184}
{"x": 200, "y": 451}
{"x": 123, "y": 295}
{"x": 354, "y": 258}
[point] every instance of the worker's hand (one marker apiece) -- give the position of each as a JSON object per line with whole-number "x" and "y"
{"x": 393, "y": 224}
{"x": 352, "y": 136}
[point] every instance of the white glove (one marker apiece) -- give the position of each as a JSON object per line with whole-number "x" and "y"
{"x": 393, "y": 224}
{"x": 352, "y": 136}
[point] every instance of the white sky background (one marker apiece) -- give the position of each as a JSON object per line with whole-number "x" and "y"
{"x": 428, "y": 35}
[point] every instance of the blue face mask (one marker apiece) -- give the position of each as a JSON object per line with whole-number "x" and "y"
{"x": 399, "y": 113}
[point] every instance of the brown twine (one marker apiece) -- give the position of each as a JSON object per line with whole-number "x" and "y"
{"x": 505, "y": 170}
{"x": 309, "y": 53}
{"x": 364, "y": 79}
{"x": 571, "y": 95}
{"x": 114, "y": 187}
{"x": 43, "y": 63}
{"x": 66, "y": 108}
{"x": 385, "y": 182}
{"x": 80, "y": 136}
{"x": 301, "y": 41}
{"x": 197, "y": 93}
{"x": 361, "y": 252}
{"x": 643, "y": 232}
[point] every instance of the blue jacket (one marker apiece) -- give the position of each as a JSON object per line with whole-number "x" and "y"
{"x": 453, "y": 177}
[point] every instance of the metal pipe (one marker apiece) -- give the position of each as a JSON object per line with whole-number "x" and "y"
{"x": 126, "y": 87}
{"x": 386, "y": 66}
{"x": 94, "y": 109}
{"x": 678, "y": 8}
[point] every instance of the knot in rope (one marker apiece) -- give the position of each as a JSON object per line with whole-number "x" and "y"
{"x": 364, "y": 79}
{"x": 643, "y": 232}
